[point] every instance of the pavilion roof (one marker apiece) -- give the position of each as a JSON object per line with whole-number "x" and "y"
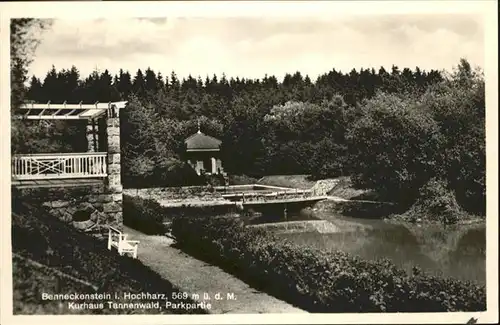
{"x": 65, "y": 111}
{"x": 202, "y": 142}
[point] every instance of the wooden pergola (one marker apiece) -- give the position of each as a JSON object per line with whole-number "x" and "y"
{"x": 60, "y": 166}
{"x": 65, "y": 111}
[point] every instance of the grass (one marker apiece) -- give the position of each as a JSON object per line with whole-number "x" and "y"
{"x": 53, "y": 257}
{"x": 346, "y": 190}
{"x": 294, "y": 181}
{"x": 242, "y": 180}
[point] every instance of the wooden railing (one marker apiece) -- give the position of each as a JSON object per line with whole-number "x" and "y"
{"x": 59, "y": 165}
{"x": 279, "y": 195}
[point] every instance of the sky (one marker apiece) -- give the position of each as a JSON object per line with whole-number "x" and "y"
{"x": 252, "y": 47}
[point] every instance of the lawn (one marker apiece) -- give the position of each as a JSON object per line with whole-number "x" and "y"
{"x": 293, "y": 181}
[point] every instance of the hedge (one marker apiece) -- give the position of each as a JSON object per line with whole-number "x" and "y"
{"x": 318, "y": 281}
{"x": 144, "y": 215}
{"x": 150, "y": 217}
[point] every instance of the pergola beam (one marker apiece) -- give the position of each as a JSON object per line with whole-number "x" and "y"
{"x": 51, "y": 117}
{"x": 96, "y": 105}
{"x": 83, "y": 111}
{"x": 70, "y": 112}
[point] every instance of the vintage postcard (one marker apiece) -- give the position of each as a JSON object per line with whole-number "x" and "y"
{"x": 250, "y": 162}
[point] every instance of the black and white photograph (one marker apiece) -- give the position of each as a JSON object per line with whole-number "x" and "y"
{"x": 305, "y": 163}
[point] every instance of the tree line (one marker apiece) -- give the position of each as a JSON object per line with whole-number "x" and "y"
{"x": 391, "y": 131}
{"x": 202, "y": 94}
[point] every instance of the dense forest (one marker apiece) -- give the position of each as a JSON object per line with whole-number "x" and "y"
{"x": 391, "y": 131}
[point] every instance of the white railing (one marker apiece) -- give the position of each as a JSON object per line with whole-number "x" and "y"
{"x": 59, "y": 165}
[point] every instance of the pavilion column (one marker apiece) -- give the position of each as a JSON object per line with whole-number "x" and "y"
{"x": 114, "y": 185}
{"x": 92, "y": 136}
{"x": 219, "y": 166}
{"x": 213, "y": 164}
{"x": 199, "y": 166}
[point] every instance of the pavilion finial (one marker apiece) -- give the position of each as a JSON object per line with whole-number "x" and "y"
{"x": 199, "y": 126}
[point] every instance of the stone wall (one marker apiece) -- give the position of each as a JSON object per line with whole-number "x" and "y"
{"x": 87, "y": 207}
{"x": 322, "y": 187}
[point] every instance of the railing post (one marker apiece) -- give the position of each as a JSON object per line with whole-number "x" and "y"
{"x": 109, "y": 239}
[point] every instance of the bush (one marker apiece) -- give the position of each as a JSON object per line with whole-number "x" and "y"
{"x": 393, "y": 147}
{"x": 436, "y": 202}
{"x": 318, "y": 281}
{"x": 167, "y": 174}
{"x": 144, "y": 215}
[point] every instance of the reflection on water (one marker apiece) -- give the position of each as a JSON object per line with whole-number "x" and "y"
{"x": 458, "y": 251}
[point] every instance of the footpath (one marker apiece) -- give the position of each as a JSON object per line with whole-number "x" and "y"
{"x": 196, "y": 277}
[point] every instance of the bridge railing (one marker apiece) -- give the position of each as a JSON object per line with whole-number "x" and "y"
{"x": 59, "y": 165}
{"x": 288, "y": 194}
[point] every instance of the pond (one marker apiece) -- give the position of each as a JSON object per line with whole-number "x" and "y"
{"x": 457, "y": 251}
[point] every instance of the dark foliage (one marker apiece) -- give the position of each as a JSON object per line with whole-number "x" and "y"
{"x": 318, "y": 281}
{"x": 150, "y": 217}
{"x": 437, "y": 203}
{"x": 369, "y": 210}
{"x": 239, "y": 105}
{"x": 144, "y": 215}
{"x": 392, "y": 131}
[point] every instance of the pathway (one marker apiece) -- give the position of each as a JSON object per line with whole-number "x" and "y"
{"x": 197, "y": 277}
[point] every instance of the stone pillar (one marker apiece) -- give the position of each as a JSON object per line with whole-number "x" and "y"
{"x": 92, "y": 136}
{"x": 113, "y": 209}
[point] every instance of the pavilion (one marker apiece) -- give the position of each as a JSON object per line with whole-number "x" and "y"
{"x": 203, "y": 153}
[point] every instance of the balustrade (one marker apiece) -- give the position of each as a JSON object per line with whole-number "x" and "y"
{"x": 59, "y": 165}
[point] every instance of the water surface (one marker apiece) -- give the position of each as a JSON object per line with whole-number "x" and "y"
{"x": 458, "y": 251}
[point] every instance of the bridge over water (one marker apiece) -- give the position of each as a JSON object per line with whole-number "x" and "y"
{"x": 258, "y": 198}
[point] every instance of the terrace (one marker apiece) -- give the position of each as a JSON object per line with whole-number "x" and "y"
{"x": 72, "y": 169}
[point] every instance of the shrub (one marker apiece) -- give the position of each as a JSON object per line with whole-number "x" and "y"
{"x": 319, "y": 281}
{"x": 144, "y": 215}
{"x": 436, "y": 202}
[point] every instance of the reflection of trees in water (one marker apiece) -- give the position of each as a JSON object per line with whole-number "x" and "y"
{"x": 468, "y": 259}
{"x": 399, "y": 244}
{"x": 473, "y": 242}
{"x": 459, "y": 252}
